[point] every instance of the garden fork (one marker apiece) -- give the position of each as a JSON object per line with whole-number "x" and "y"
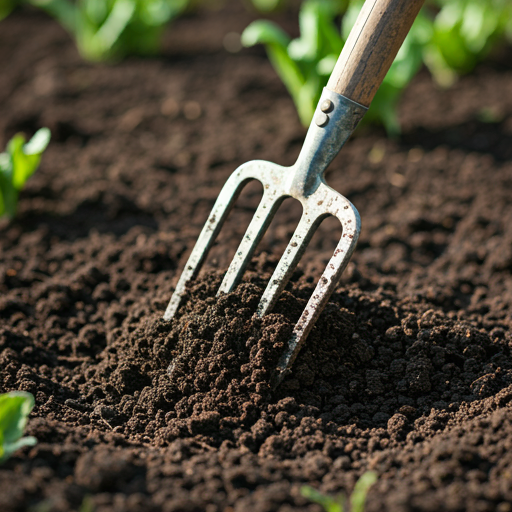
{"x": 366, "y": 57}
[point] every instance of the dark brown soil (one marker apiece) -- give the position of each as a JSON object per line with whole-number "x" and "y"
{"x": 408, "y": 371}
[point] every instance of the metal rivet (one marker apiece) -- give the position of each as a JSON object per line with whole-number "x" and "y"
{"x": 326, "y": 106}
{"x": 321, "y": 119}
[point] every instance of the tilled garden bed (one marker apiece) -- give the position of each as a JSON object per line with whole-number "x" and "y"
{"x": 408, "y": 371}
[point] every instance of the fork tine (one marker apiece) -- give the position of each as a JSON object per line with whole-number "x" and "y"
{"x": 227, "y": 197}
{"x": 254, "y": 233}
{"x": 323, "y": 290}
{"x": 289, "y": 260}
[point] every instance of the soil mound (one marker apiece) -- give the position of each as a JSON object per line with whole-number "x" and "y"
{"x": 373, "y": 361}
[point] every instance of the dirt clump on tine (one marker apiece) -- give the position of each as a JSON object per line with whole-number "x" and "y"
{"x": 408, "y": 370}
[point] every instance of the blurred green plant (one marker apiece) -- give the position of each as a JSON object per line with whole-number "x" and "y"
{"x": 14, "y": 410}
{"x": 106, "y": 29}
{"x": 267, "y": 6}
{"x": 6, "y": 6}
{"x": 449, "y": 36}
{"x": 302, "y": 64}
{"x": 338, "y": 503}
{"x": 462, "y": 33}
{"x": 17, "y": 164}
{"x": 87, "y": 504}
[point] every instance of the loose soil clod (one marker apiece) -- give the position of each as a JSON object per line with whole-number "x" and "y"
{"x": 408, "y": 372}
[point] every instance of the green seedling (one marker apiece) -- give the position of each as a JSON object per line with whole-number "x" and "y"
{"x": 17, "y": 164}
{"x": 106, "y": 29}
{"x": 14, "y": 410}
{"x": 449, "y": 36}
{"x": 302, "y": 63}
{"x": 462, "y": 33}
{"x": 338, "y": 503}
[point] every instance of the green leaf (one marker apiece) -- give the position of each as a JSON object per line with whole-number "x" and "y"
{"x": 267, "y": 5}
{"x": 330, "y": 504}
{"x": 105, "y": 29}
{"x": 96, "y": 10}
{"x": 318, "y": 34}
{"x": 96, "y": 41}
{"x": 264, "y": 32}
{"x": 383, "y": 109}
{"x": 14, "y": 410}
{"x": 358, "y": 497}
{"x": 17, "y": 164}
{"x": 8, "y": 196}
{"x": 326, "y": 65}
{"x": 307, "y": 46}
{"x": 116, "y": 22}
{"x": 64, "y": 11}
{"x": 7, "y": 191}
{"x": 338, "y": 503}
{"x": 350, "y": 17}
{"x": 276, "y": 43}
{"x": 5, "y": 163}
{"x": 26, "y": 157}
{"x": 156, "y": 12}
{"x": 297, "y": 62}
{"x": 291, "y": 76}
{"x": 38, "y": 143}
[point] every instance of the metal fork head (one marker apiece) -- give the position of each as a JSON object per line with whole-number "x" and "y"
{"x": 334, "y": 121}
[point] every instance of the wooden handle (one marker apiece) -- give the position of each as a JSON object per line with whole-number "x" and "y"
{"x": 371, "y": 47}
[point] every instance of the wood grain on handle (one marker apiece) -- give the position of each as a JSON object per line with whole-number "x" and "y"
{"x": 371, "y": 47}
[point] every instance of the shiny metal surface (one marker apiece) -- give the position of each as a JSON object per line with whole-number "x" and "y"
{"x": 305, "y": 182}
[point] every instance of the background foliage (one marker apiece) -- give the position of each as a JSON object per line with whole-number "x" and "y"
{"x": 449, "y": 37}
{"x": 20, "y": 160}
{"x": 14, "y": 410}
